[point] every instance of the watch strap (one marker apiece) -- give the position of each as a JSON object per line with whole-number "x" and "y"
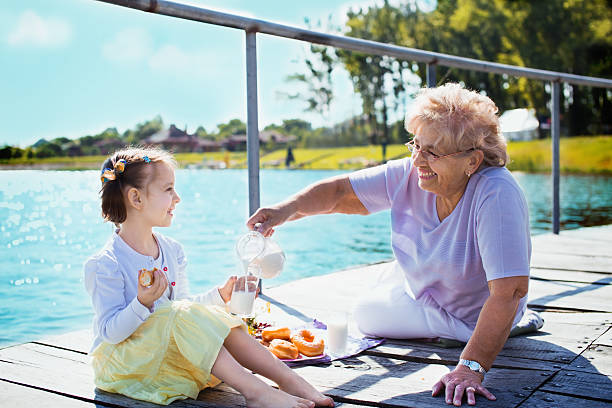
{"x": 473, "y": 365}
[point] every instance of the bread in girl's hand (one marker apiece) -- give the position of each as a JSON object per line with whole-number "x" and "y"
{"x": 146, "y": 277}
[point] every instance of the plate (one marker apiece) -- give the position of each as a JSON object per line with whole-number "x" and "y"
{"x": 303, "y": 358}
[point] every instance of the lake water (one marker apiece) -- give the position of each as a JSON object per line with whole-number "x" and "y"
{"x": 50, "y": 224}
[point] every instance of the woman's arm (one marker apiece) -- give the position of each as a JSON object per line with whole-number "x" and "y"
{"x": 495, "y": 320}
{"x": 492, "y": 330}
{"x": 332, "y": 195}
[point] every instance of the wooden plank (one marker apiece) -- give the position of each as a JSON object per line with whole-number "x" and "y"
{"x": 581, "y": 384}
{"x": 606, "y": 338}
{"x": 19, "y": 396}
{"x": 392, "y": 382}
{"x": 556, "y": 344}
{"x": 571, "y": 276}
{"x": 430, "y": 354}
{"x": 596, "y": 359}
{"x": 541, "y": 399}
{"x": 552, "y": 244}
{"x": 571, "y": 262}
{"x": 599, "y": 233}
{"x": 570, "y": 295}
{"x": 80, "y": 340}
{"x": 589, "y": 318}
{"x": 67, "y": 372}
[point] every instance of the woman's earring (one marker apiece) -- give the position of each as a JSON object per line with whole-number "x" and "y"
{"x": 467, "y": 173}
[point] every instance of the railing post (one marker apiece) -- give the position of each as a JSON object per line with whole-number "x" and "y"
{"x": 431, "y": 75}
{"x": 252, "y": 123}
{"x": 554, "y": 129}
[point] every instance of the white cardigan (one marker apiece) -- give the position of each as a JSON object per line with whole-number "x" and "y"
{"x": 111, "y": 279}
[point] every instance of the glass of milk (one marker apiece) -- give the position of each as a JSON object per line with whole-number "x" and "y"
{"x": 245, "y": 290}
{"x": 337, "y": 332}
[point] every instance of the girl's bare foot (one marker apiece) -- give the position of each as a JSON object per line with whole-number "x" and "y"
{"x": 299, "y": 387}
{"x": 273, "y": 398}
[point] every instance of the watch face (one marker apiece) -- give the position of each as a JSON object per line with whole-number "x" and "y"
{"x": 474, "y": 365}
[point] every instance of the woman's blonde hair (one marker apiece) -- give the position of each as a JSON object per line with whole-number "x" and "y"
{"x": 136, "y": 171}
{"x": 464, "y": 120}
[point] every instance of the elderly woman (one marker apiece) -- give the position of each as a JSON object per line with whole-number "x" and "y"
{"x": 460, "y": 234}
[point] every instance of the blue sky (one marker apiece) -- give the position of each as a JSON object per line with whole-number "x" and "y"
{"x": 76, "y": 67}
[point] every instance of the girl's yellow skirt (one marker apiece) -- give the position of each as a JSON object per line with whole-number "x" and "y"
{"x": 169, "y": 356}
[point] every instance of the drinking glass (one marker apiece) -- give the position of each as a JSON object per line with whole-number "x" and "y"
{"x": 337, "y": 332}
{"x": 244, "y": 292}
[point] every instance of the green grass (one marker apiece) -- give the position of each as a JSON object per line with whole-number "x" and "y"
{"x": 590, "y": 155}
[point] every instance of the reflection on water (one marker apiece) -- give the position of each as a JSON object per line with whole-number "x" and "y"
{"x": 586, "y": 201}
{"x": 50, "y": 224}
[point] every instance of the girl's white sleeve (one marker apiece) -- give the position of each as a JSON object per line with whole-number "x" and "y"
{"x": 115, "y": 319}
{"x": 212, "y": 297}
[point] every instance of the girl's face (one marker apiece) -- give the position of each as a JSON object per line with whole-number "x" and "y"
{"x": 160, "y": 197}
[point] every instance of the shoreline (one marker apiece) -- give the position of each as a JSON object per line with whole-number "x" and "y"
{"x": 579, "y": 155}
{"x": 75, "y": 167}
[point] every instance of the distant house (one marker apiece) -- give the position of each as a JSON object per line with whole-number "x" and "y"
{"x": 108, "y": 146}
{"x": 266, "y": 136}
{"x": 235, "y": 143}
{"x": 178, "y": 141}
{"x": 72, "y": 149}
{"x": 238, "y": 142}
{"x": 519, "y": 124}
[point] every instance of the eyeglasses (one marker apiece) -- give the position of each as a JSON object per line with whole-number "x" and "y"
{"x": 429, "y": 156}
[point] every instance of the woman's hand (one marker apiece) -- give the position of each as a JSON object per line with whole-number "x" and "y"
{"x": 269, "y": 218}
{"x": 459, "y": 381}
{"x": 148, "y": 295}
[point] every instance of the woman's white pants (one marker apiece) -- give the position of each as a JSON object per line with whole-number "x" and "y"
{"x": 388, "y": 311}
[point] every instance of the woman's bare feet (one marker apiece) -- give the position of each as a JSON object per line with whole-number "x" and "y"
{"x": 273, "y": 398}
{"x": 299, "y": 387}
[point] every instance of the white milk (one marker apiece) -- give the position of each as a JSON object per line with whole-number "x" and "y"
{"x": 242, "y": 302}
{"x": 337, "y": 334}
{"x": 271, "y": 264}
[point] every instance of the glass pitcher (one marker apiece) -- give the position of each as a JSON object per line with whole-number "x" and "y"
{"x": 254, "y": 248}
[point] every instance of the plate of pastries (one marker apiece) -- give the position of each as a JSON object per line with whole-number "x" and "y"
{"x": 288, "y": 345}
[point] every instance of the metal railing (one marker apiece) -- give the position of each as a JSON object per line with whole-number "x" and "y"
{"x": 253, "y": 26}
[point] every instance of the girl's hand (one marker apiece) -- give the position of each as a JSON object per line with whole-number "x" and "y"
{"x": 226, "y": 290}
{"x": 148, "y": 295}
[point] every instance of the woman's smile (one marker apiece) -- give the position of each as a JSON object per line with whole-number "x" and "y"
{"x": 426, "y": 174}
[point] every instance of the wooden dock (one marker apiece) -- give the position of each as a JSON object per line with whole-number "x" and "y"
{"x": 568, "y": 363}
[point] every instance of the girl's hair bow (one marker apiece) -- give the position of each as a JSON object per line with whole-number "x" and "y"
{"x": 111, "y": 174}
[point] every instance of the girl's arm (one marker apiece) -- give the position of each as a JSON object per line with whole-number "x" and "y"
{"x": 114, "y": 319}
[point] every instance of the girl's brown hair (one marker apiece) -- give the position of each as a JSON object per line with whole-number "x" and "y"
{"x": 138, "y": 169}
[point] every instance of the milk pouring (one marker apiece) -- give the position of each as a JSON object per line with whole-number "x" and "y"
{"x": 254, "y": 249}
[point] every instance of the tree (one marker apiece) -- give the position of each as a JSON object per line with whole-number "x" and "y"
{"x": 202, "y": 134}
{"x": 233, "y": 127}
{"x": 143, "y": 130}
{"x": 317, "y": 78}
{"x": 568, "y": 36}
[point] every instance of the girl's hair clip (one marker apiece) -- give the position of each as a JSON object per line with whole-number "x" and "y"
{"x": 108, "y": 175}
{"x": 146, "y": 159}
{"x": 120, "y": 166}
{"x": 111, "y": 174}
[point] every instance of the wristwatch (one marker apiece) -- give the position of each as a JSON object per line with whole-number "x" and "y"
{"x": 473, "y": 365}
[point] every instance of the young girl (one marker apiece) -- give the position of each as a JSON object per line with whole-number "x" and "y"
{"x": 157, "y": 343}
